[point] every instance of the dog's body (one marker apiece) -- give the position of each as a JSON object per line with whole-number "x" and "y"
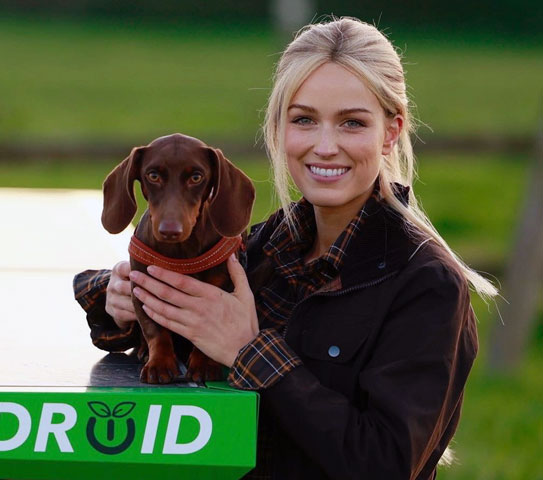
{"x": 196, "y": 197}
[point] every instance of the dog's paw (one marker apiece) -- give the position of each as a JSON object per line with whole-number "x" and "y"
{"x": 162, "y": 371}
{"x": 143, "y": 353}
{"x": 201, "y": 368}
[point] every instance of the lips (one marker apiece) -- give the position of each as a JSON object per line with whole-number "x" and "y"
{"x": 328, "y": 172}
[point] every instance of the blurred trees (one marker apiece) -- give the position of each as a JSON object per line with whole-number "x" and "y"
{"x": 518, "y": 17}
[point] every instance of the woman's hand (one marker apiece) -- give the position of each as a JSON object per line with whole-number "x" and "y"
{"x": 217, "y": 322}
{"x": 118, "y": 296}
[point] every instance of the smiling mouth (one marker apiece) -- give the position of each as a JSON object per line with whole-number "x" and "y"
{"x": 328, "y": 172}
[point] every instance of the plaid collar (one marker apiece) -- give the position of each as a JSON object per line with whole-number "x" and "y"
{"x": 288, "y": 251}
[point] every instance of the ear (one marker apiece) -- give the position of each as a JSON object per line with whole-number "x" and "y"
{"x": 119, "y": 201}
{"x": 392, "y": 133}
{"x": 232, "y": 198}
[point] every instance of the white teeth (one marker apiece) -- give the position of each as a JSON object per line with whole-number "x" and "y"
{"x": 327, "y": 172}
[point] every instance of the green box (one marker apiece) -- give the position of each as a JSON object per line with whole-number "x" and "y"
{"x": 137, "y": 433}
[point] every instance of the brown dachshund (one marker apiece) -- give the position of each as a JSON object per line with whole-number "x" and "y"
{"x": 198, "y": 205}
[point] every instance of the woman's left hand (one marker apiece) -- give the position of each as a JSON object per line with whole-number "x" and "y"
{"x": 217, "y": 322}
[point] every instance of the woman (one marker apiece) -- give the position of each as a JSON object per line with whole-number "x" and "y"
{"x": 355, "y": 325}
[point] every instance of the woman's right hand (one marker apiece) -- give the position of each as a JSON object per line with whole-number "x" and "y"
{"x": 119, "y": 296}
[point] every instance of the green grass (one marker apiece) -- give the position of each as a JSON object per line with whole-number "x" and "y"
{"x": 500, "y": 436}
{"x": 474, "y": 200}
{"x": 99, "y": 81}
{"x": 102, "y": 81}
{"x": 472, "y": 89}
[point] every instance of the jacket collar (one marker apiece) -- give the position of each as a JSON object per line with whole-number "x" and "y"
{"x": 382, "y": 247}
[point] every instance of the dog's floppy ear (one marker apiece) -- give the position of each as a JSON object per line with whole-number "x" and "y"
{"x": 232, "y": 198}
{"x": 119, "y": 200}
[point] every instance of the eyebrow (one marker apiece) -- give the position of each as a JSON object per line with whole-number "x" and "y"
{"x": 302, "y": 107}
{"x": 342, "y": 112}
{"x": 347, "y": 111}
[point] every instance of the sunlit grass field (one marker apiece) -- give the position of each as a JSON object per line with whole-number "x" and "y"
{"x": 110, "y": 81}
{"x": 101, "y": 81}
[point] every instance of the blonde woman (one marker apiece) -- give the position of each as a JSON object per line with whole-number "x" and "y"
{"x": 353, "y": 321}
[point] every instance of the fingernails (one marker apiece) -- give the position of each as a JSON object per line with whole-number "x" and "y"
{"x": 134, "y": 275}
{"x": 152, "y": 269}
{"x": 137, "y": 291}
{"x": 233, "y": 257}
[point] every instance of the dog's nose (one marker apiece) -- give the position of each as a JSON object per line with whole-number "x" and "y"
{"x": 170, "y": 230}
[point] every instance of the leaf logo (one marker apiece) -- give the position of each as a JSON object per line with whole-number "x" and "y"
{"x": 102, "y": 410}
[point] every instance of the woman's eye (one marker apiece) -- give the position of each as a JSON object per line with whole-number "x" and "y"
{"x": 196, "y": 178}
{"x": 153, "y": 176}
{"x": 302, "y": 121}
{"x": 353, "y": 124}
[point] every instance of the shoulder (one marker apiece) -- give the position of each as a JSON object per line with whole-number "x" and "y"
{"x": 433, "y": 274}
{"x": 426, "y": 263}
{"x": 261, "y": 232}
{"x": 259, "y": 267}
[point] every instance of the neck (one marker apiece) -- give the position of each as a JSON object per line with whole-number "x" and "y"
{"x": 330, "y": 222}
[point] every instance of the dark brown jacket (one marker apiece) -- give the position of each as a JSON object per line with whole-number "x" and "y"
{"x": 386, "y": 405}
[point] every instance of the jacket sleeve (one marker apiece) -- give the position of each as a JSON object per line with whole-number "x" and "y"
{"x": 413, "y": 385}
{"x": 262, "y": 362}
{"x": 90, "y": 292}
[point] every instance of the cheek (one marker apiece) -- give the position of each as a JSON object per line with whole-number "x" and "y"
{"x": 296, "y": 143}
{"x": 368, "y": 151}
{"x": 294, "y": 150}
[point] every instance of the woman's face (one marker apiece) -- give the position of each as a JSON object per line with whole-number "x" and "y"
{"x": 335, "y": 136}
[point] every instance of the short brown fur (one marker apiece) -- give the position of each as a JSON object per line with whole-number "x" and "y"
{"x": 195, "y": 196}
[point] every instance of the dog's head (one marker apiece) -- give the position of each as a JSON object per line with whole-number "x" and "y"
{"x": 179, "y": 175}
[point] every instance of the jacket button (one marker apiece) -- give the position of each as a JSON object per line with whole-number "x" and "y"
{"x": 334, "y": 351}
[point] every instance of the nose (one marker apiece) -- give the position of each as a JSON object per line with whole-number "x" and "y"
{"x": 326, "y": 143}
{"x": 170, "y": 229}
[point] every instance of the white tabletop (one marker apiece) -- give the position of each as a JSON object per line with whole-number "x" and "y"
{"x": 47, "y": 236}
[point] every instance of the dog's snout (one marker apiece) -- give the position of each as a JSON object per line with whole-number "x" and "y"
{"x": 170, "y": 230}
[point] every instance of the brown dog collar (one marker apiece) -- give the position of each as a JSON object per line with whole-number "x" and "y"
{"x": 216, "y": 255}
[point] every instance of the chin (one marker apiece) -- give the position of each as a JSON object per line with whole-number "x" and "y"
{"x": 338, "y": 199}
{"x": 327, "y": 201}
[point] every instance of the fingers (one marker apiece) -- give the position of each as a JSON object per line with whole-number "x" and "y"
{"x": 150, "y": 301}
{"x": 119, "y": 289}
{"x": 118, "y": 296}
{"x": 239, "y": 278}
{"x": 163, "y": 291}
{"x": 124, "y": 317}
{"x": 184, "y": 283}
{"x": 122, "y": 270}
{"x": 163, "y": 314}
{"x": 122, "y": 302}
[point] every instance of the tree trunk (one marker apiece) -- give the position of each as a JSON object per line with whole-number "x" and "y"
{"x": 523, "y": 278}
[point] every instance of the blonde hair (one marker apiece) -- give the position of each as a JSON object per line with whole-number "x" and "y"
{"x": 364, "y": 51}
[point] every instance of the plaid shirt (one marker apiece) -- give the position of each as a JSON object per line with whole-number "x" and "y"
{"x": 90, "y": 292}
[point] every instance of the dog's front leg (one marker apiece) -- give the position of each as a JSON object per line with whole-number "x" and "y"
{"x": 162, "y": 366}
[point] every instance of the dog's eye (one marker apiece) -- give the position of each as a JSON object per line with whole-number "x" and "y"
{"x": 196, "y": 178}
{"x": 153, "y": 176}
